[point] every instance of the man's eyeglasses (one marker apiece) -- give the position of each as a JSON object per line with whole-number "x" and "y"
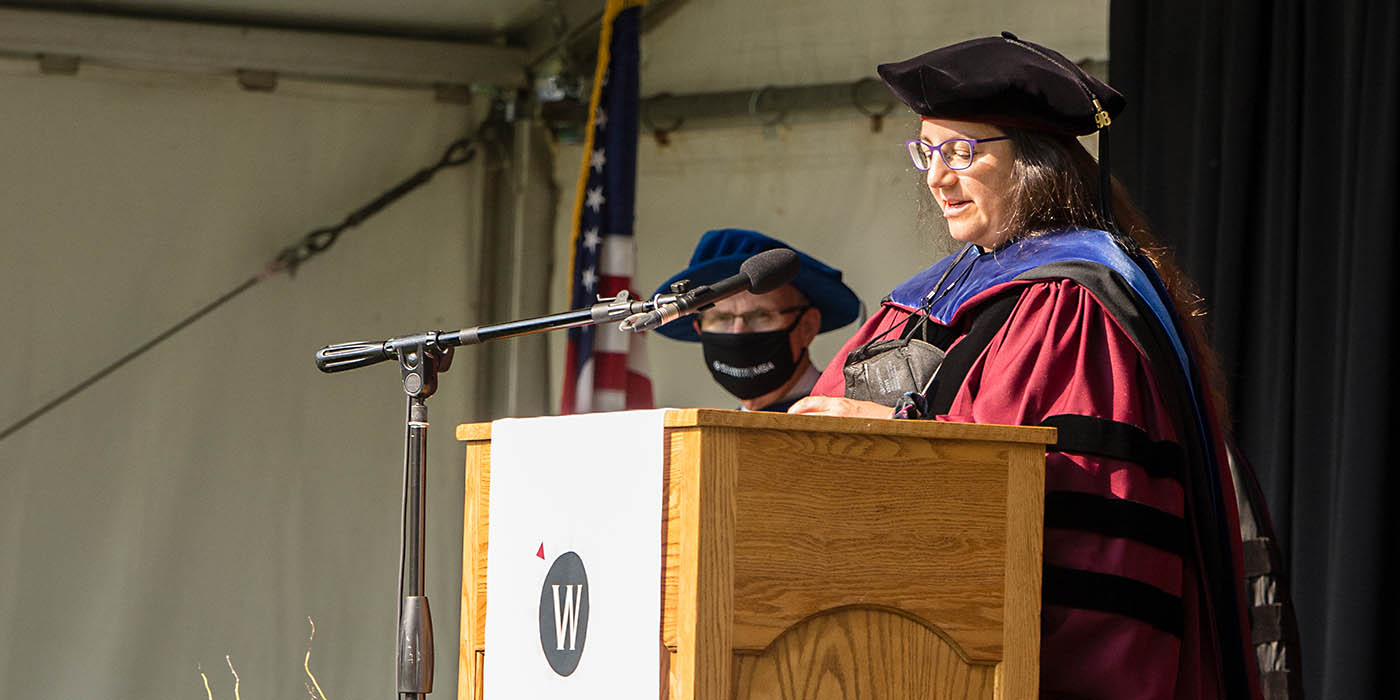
{"x": 713, "y": 321}
{"x": 956, "y": 153}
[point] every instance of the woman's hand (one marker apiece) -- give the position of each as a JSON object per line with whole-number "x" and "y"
{"x": 835, "y": 406}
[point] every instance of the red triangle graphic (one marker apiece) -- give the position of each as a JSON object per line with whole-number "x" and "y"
{"x": 540, "y": 553}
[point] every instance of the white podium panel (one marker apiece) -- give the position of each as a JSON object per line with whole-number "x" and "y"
{"x": 573, "y": 590}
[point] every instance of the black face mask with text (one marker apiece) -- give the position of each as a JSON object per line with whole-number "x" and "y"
{"x": 749, "y": 365}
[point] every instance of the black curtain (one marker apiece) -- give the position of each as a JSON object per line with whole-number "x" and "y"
{"x": 1260, "y": 138}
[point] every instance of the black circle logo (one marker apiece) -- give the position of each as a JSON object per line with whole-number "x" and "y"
{"x": 564, "y": 613}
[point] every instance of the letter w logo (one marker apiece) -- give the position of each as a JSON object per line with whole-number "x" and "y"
{"x": 567, "y": 615}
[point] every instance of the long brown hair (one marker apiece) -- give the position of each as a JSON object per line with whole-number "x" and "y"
{"x": 1055, "y": 185}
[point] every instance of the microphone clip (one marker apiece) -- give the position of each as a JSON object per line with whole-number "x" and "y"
{"x": 656, "y": 312}
{"x": 611, "y": 309}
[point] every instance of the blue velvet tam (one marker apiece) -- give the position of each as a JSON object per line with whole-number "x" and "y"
{"x": 1007, "y": 82}
{"x": 718, "y": 256}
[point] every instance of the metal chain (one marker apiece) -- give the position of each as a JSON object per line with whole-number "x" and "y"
{"x": 293, "y": 256}
{"x": 289, "y": 259}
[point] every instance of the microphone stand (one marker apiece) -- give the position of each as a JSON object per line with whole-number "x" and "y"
{"x": 419, "y": 367}
{"x": 422, "y": 356}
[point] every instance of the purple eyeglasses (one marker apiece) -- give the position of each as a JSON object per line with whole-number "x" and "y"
{"x": 956, "y": 152}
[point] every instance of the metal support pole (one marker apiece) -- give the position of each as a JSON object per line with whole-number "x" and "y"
{"x": 420, "y": 365}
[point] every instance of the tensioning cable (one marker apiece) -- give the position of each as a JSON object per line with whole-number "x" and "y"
{"x": 287, "y": 260}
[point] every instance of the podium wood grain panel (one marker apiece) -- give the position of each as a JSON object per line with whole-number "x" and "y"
{"x": 474, "y": 544}
{"x": 1025, "y": 538}
{"x": 849, "y": 654}
{"x": 703, "y": 468}
{"x": 828, "y": 519}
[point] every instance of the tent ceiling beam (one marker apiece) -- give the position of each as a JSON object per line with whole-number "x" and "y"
{"x": 184, "y": 46}
{"x": 770, "y": 105}
{"x": 767, "y": 105}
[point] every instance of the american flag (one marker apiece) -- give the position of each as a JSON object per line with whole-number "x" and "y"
{"x": 606, "y": 369}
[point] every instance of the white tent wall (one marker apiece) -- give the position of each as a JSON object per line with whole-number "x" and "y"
{"x": 209, "y": 496}
{"x": 824, "y": 182}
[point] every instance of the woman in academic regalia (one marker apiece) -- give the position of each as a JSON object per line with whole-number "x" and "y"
{"x": 1061, "y": 310}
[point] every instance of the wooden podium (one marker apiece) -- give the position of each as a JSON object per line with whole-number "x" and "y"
{"x": 817, "y": 557}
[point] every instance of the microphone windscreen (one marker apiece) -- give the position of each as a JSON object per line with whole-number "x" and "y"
{"x": 770, "y": 269}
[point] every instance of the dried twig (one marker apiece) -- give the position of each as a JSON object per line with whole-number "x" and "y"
{"x": 307, "y": 663}
{"x": 207, "y": 691}
{"x": 235, "y": 677}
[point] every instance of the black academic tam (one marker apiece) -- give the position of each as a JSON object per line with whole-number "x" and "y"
{"x": 1004, "y": 81}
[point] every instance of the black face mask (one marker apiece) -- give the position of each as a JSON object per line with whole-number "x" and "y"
{"x": 749, "y": 365}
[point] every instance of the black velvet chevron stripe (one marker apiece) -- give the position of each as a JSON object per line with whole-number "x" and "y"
{"x": 1090, "y": 590}
{"x": 1205, "y": 504}
{"x": 1109, "y": 438}
{"x": 1115, "y": 517}
{"x": 990, "y": 318}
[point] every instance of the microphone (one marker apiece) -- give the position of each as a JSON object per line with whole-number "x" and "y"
{"x": 759, "y": 274}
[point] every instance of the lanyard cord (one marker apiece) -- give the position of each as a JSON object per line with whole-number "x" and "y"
{"x": 926, "y": 306}
{"x": 934, "y": 295}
